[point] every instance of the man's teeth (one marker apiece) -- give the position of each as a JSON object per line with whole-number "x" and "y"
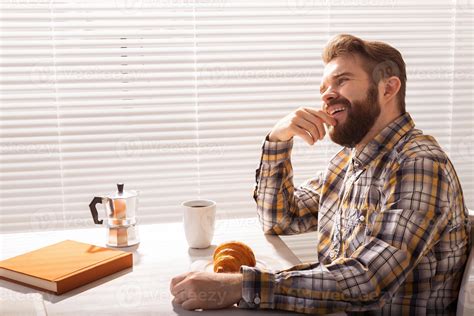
{"x": 336, "y": 110}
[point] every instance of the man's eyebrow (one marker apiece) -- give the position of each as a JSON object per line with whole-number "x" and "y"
{"x": 322, "y": 88}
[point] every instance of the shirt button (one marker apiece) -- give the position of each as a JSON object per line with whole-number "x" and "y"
{"x": 362, "y": 218}
{"x": 256, "y": 300}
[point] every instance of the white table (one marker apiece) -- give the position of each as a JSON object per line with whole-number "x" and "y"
{"x": 162, "y": 254}
{"x": 143, "y": 290}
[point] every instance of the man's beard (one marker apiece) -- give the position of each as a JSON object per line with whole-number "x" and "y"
{"x": 360, "y": 117}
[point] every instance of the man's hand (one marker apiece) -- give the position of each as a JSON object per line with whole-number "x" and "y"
{"x": 308, "y": 123}
{"x": 206, "y": 290}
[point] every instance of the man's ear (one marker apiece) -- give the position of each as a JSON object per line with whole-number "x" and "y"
{"x": 390, "y": 88}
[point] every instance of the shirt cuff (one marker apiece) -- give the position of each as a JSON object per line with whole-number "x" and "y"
{"x": 257, "y": 288}
{"x": 274, "y": 153}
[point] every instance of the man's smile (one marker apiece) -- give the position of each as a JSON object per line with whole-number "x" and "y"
{"x": 338, "y": 114}
{"x": 337, "y": 111}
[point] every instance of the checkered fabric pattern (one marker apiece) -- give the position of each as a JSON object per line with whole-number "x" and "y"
{"x": 393, "y": 229}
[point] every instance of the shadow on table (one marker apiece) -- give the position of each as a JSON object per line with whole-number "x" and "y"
{"x": 283, "y": 251}
{"x": 200, "y": 254}
{"x": 53, "y": 298}
{"x": 234, "y": 310}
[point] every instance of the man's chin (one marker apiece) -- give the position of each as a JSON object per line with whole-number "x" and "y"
{"x": 337, "y": 138}
{"x": 333, "y": 131}
{"x": 332, "y": 135}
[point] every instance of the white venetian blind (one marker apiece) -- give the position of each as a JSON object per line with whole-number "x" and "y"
{"x": 174, "y": 98}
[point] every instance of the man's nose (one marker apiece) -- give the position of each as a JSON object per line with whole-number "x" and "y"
{"x": 328, "y": 95}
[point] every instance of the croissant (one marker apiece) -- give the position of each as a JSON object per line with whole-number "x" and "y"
{"x": 230, "y": 256}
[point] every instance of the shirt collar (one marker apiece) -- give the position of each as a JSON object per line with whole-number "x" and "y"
{"x": 384, "y": 141}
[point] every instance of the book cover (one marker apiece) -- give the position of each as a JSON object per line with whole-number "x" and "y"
{"x": 64, "y": 266}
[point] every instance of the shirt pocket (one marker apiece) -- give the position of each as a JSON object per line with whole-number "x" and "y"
{"x": 355, "y": 238}
{"x": 360, "y": 220}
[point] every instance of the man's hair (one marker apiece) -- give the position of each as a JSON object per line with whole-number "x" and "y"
{"x": 380, "y": 59}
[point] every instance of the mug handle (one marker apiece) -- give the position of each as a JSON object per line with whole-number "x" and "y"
{"x": 93, "y": 208}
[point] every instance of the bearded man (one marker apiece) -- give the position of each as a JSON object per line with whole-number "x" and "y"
{"x": 393, "y": 226}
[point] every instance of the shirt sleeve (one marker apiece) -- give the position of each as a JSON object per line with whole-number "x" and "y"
{"x": 413, "y": 216}
{"x": 282, "y": 208}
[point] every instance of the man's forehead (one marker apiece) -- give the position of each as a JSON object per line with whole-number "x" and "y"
{"x": 340, "y": 65}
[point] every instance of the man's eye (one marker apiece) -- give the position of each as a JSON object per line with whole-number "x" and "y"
{"x": 341, "y": 80}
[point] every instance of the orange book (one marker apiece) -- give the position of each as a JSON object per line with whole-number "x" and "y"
{"x": 64, "y": 266}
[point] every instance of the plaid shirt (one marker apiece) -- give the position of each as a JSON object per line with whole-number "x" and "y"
{"x": 392, "y": 223}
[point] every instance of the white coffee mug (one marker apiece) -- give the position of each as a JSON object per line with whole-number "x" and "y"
{"x": 199, "y": 218}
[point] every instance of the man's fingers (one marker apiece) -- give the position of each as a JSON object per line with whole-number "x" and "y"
{"x": 322, "y": 115}
{"x": 317, "y": 118}
{"x": 192, "y": 304}
{"x": 303, "y": 134}
{"x": 322, "y": 130}
{"x": 176, "y": 283}
{"x": 309, "y": 127}
{"x": 180, "y": 287}
{"x": 180, "y": 297}
{"x": 318, "y": 124}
